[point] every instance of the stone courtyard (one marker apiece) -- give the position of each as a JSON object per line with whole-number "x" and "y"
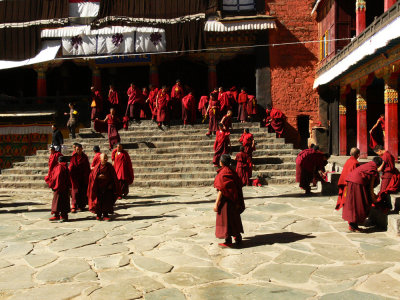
{"x": 161, "y": 245}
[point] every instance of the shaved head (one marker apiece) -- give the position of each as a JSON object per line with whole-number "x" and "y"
{"x": 103, "y": 158}
{"x": 355, "y": 152}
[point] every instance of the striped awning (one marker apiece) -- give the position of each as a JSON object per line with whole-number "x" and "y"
{"x": 217, "y": 26}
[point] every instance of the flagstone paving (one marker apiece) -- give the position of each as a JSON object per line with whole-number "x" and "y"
{"x": 161, "y": 245}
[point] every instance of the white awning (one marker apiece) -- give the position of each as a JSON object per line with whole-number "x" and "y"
{"x": 48, "y": 52}
{"x": 81, "y": 9}
{"x": 379, "y": 40}
{"x": 216, "y": 26}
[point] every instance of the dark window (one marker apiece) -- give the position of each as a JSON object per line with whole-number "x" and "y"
{"x": 238, "y": 5}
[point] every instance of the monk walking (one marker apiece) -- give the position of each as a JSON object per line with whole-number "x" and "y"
{"x": 53, "y": 162}
{"x": 360, "y": 193}
{"x": 60, "y": 183}
{"x": 275, "y": 120}
{"x": 134, "y": 102}
{"x": 79, "y": 169}
{"x": 222, "y": 144}
{"x": 251, "y": 107}
{"x": 223, "y": 101}
{"x": 229, "y": 204}
{"x": 243, "y": 165}
{"x": 203, "y": 104}
{"x": 242, "y": 102}
{"x": 162, "y": 103}
{"x": 151, "y": 100}
{"x": 377, "y": 133}
{"x": 188, "y": 109}
{"x": 73, "y": 119}
{"x": 96, "y": 157}
{"x": 348, "y": 167}
{"x": 96, "y": 105}
{"x": 213, "y": 111}
{"x": 177, "y": 93}
{"x": 113, "y": 123}
{"x": 103, "y": 189}
{"x": 227, "y": 121}
{"x": 113, "y": 98}
{"x": 123, "y": 167}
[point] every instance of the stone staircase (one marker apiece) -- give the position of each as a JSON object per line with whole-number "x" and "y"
{"x": 176, "y": 157}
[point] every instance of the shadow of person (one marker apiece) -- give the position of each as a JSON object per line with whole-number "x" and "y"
{"x": 273, "y": 238}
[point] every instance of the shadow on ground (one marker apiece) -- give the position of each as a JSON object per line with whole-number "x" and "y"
{"x": 274, "y": 238}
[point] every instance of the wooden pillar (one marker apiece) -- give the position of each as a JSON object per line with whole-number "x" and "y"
{"x": 41, "y": 90}
{"x": 212, "y": 76}
{"x": 389, "y": 4}
{"x": 362, "y": 137}
{"x": 154, "y": 79}
{"x": 96, "y": 78}
{"x": 344, "y": 91}
{"x": 391, "y": 115}
{"x": 360, "y": 16}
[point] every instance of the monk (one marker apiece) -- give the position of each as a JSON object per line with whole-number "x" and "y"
{"x": 60, "y": 183}
{"x": 134, "y": 102}
{"x": 349, "y": 166}
{"x": 203, "y": 104}
{"x": 96, "y": 105}
{"x": 188, "y": 109}
{"x": 243, "y": 164}
{"x": 300, "y": 157}
{"x": 73, "y": 119}
{"x": 213, "y": 110}
{"x": 103, "y": 189}
{"x": 226, "y": 121}
{"x": 229, "y": 204}
{"x": 53, "y": 162}
{"x": 223, "y": 101}
{"x": 251, "y": 107}
{"x": 162, "y": 104}
{"x": 248, "y": 142}
{"x": 113, "y": 98}
{"x": 242, "y": 102}
{"x": 312, "y": 168}
{"x": 123, "y": 167}
{"x": 145, "y": 112}
{"x": 79, "y": 170}
{"x": 275, "y": 120}
{"x": 113, "y": 122}
{"x": 177, "y": 94}
{"x": 96, "y": 157}
{"x": 377, "y": 133}
{"x": 151, "y": 100}
{"x": 222, "y": 144}
{"x": 360, "y": 193}
{"x": 57, "y": 138}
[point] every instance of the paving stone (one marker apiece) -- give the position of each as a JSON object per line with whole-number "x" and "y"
{"x": 96, "y": 251}
{"x": 151, "y": 264}
{"x": 337, "y": 287}
{"x": 63, "y": 270}
{"x": 382, "y": 284}
{"x": 141, "y": 245}
{"x": 89, "y": 275}
{"x": 165, "y": 294}
{"x": 76, "y": 240}
{"x": 275, "y": 208}
{"x": 184, "y": 260}
{"x": 116, "y": 291}
{"x": 337, "y": 252}
{"x": 13, "y": 250}
{"x": 312, "y": 225}
{"x": 16, "y": 277}
{"x": 4, "y": 263}
{"x": 296, "y": 257}
{"x": 206, "y": 273}
{"x": 118, "y": 239}
{"x": 117, "y": 275}
{"x": 337, "y": 273}
{"x": 382, "y": 254}
{"x": 36, "y": 235}
{"x": 243, "y": 264}
{"x": 284, "y": 273}
{"x": 109, "y": 262}
{"x": 145, "y": 284}
{"x": 182, "y": 279}
{"x": 39, "y": 260}
{"x": 352, "y": 295}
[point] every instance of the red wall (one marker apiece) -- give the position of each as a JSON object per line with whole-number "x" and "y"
{"x": 293, "y": 67}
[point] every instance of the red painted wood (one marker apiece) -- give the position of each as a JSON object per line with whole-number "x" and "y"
{"x": 342, "y": 135}
{"x": 391, "y": 129}
{"x": 362, "y": 140}
{"x": 389, "y": 4}
{"x": 360, "y": 21}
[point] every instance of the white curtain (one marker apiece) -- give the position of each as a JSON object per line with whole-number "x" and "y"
{"x": 79, "y": 45}
{"x": 116, "y": 43}
{"x": 150, "y": 42}
{"x": 81, "y": 9}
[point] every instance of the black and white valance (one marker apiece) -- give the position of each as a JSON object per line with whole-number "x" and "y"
{"x": 84, "y": 8}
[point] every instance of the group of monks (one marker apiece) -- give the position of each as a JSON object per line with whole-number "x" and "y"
{"x": 79, "y": 184}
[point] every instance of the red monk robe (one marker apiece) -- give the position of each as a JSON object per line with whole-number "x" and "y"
{"x": 113, "y": 136}
{"x": 224, "y": 102}
{"x": 60, "y": 183}
{"x": 251, "y": 106}
{"x": 103, "y": 190}
{"x": 310, "y": 165}
{"x": 96, "y": 105}
{"x": 247, "y": 140}
{"x": 145, "y": 112}
{"x": 213, "y": 115}
{"x": 123, "y": 168}
{"x": 389, "y": 170}
{"x": 234, "y": 92}
{"x": 359, "y": 192}
{"x": 275, "y": 121}
{"x": 177, "y": 93}
{"x": 376, "y": 134}
{"x": 242, "y": 111}
{"x": 162, "y": 103}
{"x": 299, "y": 159}
{"x": 53, "y": 161}
{"x": 243, "y": 167}
{"x": 203, "y": 104}
{"x": 152, "y": 102}
{"x": 134, "y": 102}
{"x": 349, "y": 166}
{"x": 221, "y": 145}
{"x": 79, "y": 169}
{"x": 227, "y": 122}
{"x": 228, "y": 221}
{"x": 113, "y": 98}
{"x": 96, "y": 160}
{"x": 188, "y": 109}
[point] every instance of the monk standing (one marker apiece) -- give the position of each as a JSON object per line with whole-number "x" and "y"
{"x": 377, "y": 132}
{"x": 113, "y": 98}
{"x": 60, "y": 183}
{"x": 123, "y": 167}
{"x": 222, "y": 144}
{"x": 73, "y": 119}
{"x": 188, "y": 109}
{"x": 251, "y": 107}
{"x": 96, "y": 157}
{"x": 360, "y": 193}
{"x": 348, "y": 167}
{"x": 243, "y": 164}
{"x": 113, "y": 122}
{"x": 213, "y": 114}
{"x": 151, "y": 100}
{"x": 229, "y": 204}
{"x": 275, "y": 120}
{"x": 53, "y": 162}
{"x": 134, "y": 102}
{"x": 249, "y": 144}
{"x": 242, "y": 102}
{"x": 227, "y": 121}
{"x": 223, "y": 101}
{"x": 203, "y": 104}
{"x": 162, "y": 104}
{"x": 103, "y": 189}
{"x": 177, "y": 94}
{"x": 79, "y": 170}
{"x": 96, "y": 105}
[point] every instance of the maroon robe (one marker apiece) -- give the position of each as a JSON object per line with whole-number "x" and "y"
{"x": 113, "y": 98}
{"x": 275, "y": 121}
{"x": 188, "y": 109}
{"x": 388, "y": 169}
{"x": 177, "y": 93}
{"x": 96, "y": 159}
{"x": 221, "y": 145}
{"x": 203, "y": 103}
{"x": 243, "y": 167}
{"x": 247, "y": 141}
{"x": 375, "y": 137}
{"x": 135, "y": 100}
{"x": 60, "y": 183}
{"x": 113, "y": 136}
{"x": 299, "y": 159}
{"x": 152, "y": 103}
{"x": 53, "y": 161}
{"x": 311, "y": 163}
{"x": 224, "y": 102}
{"x": 213, "y": 115}
{"x": 79, "y": 169}
{"x": 145, "y": 112}
{"x": 358, "y": 197}
{"x": 251, "y": 106}
{"x": 123, "y": 169}
{"x": 242, "y": 101}
{"x": 349, "y": 166}
{"x": 103, "y": 192}
{"x": 228, "y": 221}
{"x": 98, "y": 101}
{"x": 388, "y": 186}
{"x": 227, "y": 122}
{"x": 162, "y": 109}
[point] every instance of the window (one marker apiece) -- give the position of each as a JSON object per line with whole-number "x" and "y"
{"x": 238, "y": 5}
{"x": 325, "y": 46}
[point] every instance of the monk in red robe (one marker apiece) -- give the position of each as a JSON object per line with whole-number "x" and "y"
{"x": 377, "y": 133}
{"x": 103, "y": 189}
{"x": 135, "y": 98}
{"x": 248, "y": 142}
{"x": 145, "y": 112}
{"x": 222, "y": 144}
{"x": 96, "y": 105}
{"x": 53, "y": 161}
{"x": 113, "y": 123}
{"x": 203, "y": 104}
{"x": 123, "y": 167}
{"x": 312, "y": 168}
{"x": 229, "y": 204}
{"x": 275, "y": 121}
{"x": 226, "y": 121}
{"x": 242, "y": 102}
{"x": 113, "y": 98}
{"x": 349, "y": 166}
{"x": 243, "y": 164}
{"x": 79, "y": 169}
{"x": 162, "y": 104}
{"x": 177, "y": 94}
{"x": 151, "y": 100}
{"x": 188, "y": 109}
{"x": 300, "y": 157}
{"x": 60, "y": 183}
{"x": 360, "y": 193}
{"x": 213, "y": 111}
{"x": 96, "y": 157}
{"x": 251, "y": 107}
{"x": 223, "y": 101}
